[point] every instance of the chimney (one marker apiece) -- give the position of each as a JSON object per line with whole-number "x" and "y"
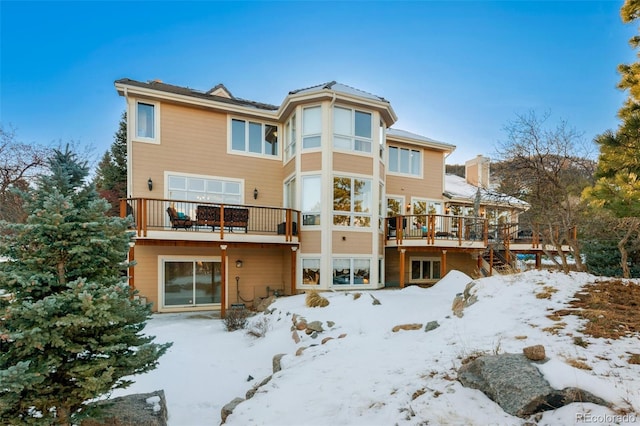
{"x": 476, "y": 171}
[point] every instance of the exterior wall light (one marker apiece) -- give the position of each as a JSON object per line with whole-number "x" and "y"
{"x": 238, "y": 263}
{"x": 255, "y": 193}
{"x": 150, "y": 184}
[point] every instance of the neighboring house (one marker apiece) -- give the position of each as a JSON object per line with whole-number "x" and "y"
{"x": 235, "y": 200}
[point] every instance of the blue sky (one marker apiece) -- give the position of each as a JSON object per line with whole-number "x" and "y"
{"x": 457, "y": 72}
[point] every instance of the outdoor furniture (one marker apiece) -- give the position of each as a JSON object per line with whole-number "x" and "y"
{"x": 234, "y": 217}
{"x": 179, "y": 220}
{"x": 208, "y": 216}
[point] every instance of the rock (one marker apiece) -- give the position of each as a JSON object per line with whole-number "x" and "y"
{"x": 228, "y": 408}
{"x": 315, "y": 326}
{"x": 458, "y": 305}
{"x": 300, "y": 350}
{"x": 342, "y": 336}
{"x": 431, "y": 325}
{"x": 254, "y": 389}
{"x": 516, "y": 385}
{"x": 326, "y": 339}
{"x": 375, "y": 301}
{"x": 534, "y": 353}
{"x": 314, "y": 334}
{"x": 301, "y": 325}
{"x": 250, "y": 378}
{"x": 275, "y": 363}
{"x": 261, "y": 305}
{"x": 330, "y": 324}
{"x": 148, "y": 409}
{"x": 295, "y": 336}
{"x": 406, "y": 327}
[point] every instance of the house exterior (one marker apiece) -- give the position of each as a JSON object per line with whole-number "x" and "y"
{"x": 235, "y": 200}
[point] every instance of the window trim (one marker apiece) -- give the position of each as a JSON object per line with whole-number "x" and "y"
{"x": 351, "y": 213}
{"x": 420, "y": 152}
{"x": 246, "y": 152}
{"x": 312, "y": 257}
{"x": 290, "y": 138}
{"x": 317, "y": 214}
{"x": 353, "y": 138}
{"x": 303, "y": 135}
{"x": 422, "y": 259}
{"x": 156, "y": 122}
{"x": 162, "y": 307}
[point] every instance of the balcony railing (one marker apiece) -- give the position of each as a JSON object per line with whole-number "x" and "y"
{"x": 434, "y": 227}
{"x": 150, "y": 214}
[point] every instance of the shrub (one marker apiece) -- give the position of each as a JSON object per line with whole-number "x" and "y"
{"x": 236, "y": 319}
{"x": 315, "y": 300}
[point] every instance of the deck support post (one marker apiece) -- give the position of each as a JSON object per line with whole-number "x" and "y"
{"x": 443, "y": 263}
{"x": 294, "y": 274}
{"x": 223, "y": 276}
{"x": 402, "y": 252}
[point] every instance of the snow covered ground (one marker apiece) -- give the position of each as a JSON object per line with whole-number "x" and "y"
{"x": 374, "y": 376}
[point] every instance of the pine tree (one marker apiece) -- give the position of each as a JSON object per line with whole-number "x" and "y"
{"x": 71, "y": 330}
{"x": 617, "y": 186}
{"x": 111, "y": 174}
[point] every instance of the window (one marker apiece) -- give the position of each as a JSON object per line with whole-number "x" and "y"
{"x": 212, "y": 190}
{"x": 311, "y": 127}
{"x": 424, "y": 269}
{"x": 191, "y": 282}
{"x": 352, "y": 204}
{"x": 351, "y": 271}
{"x": 290, "y": 193}
{"x": 146, "y": 122}
{"x": 422, "y": 208}
{"x": 311, "y": 199}
{"x": 406, "y": 161}
{"x": 310, "y": 271}
{"x": 256, "y": 138}
{"x": 290, "y": 135}
{"x": 352, "y": 130}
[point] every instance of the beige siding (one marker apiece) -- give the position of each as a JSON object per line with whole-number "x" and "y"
{"x": 352, "y": 163}
{"x": 261, "y": 267}
{"x": 430, "y": 186}
{"x": 195, "y": 141}
{"x": 310, "y": 162}
{"x": 353, "y": 242}
{"x": 289, "y": 169}
{"x": 460, "y": 261}
{"x": 310, "y": 241}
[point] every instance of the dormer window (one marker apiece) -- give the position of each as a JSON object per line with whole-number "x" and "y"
{"x": 352, "y": 130}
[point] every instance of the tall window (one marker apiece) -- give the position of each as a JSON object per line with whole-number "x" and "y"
{"x": 257, "y": 138}
{"x": 290, "y": 135}
{"x": 311, "y": 127}
{"x": 311, "y": 199}
{"x": 310, "y": 271}
{"x": 290, "y": 193}
{"x": 191, "y": 282}
{"x": 145, "y": 120}
{"x": 406, "y": 161}
{"x": 352, "y": 202}
{"x": 352, "y": 130}
{"x": 424, "y": 269}
{"x": 351, "y": 271}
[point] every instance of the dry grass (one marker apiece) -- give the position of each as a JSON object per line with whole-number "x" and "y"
{"x": 555, "y": 328}
{"x": 611, "y": 309}
{"x": 546, "y": 292}
{"x": 520, "y": 337}
{"x": 577, "y": 363}
{"x": 418, "y": 394}
{"x": 315, "y": 300}
{"x": 356, "y": 296}
{"x": 634, "y": 359}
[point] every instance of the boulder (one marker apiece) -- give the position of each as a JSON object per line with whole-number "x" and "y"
{"x": 431, "y": 325}
{"x": 275, "y": 363}
{"x": 406, "y": 327}
{"x": 315, "y": 326}
{"x": 516, "y": 385}
{"x": 261, "y": 305}
{"x": 144, "y": 409}
{"x": 228, "y": 409}
{"x": 534, "y": 353}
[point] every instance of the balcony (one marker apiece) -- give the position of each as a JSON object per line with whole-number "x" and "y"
{"x": 437, "y": 230}
{"x": 162, "y": 219}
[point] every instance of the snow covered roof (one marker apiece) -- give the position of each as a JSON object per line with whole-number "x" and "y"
{"x": 339, "y": 88}
{"x": 458, "y": 189}
{"x": 403, "y": 134}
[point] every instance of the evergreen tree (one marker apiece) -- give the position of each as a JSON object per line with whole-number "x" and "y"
{"x": 617, "y": 186}
{"x": 111, "y": 175}
{"x": 71, "y": 330}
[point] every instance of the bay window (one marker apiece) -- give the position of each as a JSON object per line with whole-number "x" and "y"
{"x": 352, "y": 130}
{"x": 290, "y": 136}
{"x": 311, "y": 200}
{"x": 311, "y": 271}
{"x": 350, "y": 271}
{"x": 311, "y": 127}
{"x": 352, "y": 201}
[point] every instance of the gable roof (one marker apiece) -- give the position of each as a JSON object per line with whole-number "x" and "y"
{"x": 217, "y": 93}
{"x": 421, "y": 140}
{"x": 458, "y": 189}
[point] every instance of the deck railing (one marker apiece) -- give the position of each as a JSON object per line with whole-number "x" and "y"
{"x": 434, "y": 227}
{"x": 151, "y": 214}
